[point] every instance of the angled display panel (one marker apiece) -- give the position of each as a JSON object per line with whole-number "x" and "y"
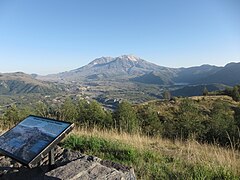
{"x": 33, "y": 138}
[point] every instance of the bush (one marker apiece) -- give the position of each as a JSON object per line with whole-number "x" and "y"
{"x": 188, "y": 122}
{"x": 222, "y": 125}
{"x": 149, "y": 121}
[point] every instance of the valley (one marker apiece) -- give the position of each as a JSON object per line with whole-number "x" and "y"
{"x": 110, "y": 80}
{"x": 113, "y": 101}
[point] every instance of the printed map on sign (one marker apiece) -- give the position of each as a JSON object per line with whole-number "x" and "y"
{"x": 26, "y": 140}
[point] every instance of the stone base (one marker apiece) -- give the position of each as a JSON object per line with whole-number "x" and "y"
{"x": 69, "y": 165}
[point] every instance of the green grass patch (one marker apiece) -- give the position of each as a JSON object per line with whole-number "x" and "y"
{"x": 100, "y": 147}
{"x": 147, "y": 164}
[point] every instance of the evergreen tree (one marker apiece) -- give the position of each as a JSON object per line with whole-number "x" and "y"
{"x": 82, "y": 107}
{"x": 222, "y": 124}
{"x": 189, "y": 120}
{"x": 93, "y": 114}
{"x": 96, "y": 115}
{"x": 68, "y": 111}
{"x": 167, "y": 95}
{"x": 126, "y": 118}
{"x": 42, "y": 109}
{"x": 149, "y": 121}
{"x": 235, "y": 94}
{"x": 12, "y": 114}
{"x": 205, "y": 91}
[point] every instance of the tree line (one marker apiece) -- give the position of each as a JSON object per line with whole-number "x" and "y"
{"x": 218, "y": 124}
{"x": 233, "y": 92}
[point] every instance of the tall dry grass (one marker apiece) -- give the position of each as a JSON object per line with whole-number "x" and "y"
{"x": 189, "y": 151}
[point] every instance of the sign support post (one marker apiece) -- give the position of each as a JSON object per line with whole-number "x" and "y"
{"x": 51, "y": 158}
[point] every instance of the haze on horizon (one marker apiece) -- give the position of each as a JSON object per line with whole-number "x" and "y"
{"x": 53, "y": 36}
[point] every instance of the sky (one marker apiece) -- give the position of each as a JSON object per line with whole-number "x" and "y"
{"x": 50, "y": 36}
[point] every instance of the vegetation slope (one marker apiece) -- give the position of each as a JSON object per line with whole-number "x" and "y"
{"x": 181, "y": 138}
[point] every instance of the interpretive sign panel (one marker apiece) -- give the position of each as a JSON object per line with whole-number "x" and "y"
{"x": 33, "y": 138}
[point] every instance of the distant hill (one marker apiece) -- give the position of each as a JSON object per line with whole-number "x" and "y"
{"x": 200, "y": 75}
{"x": 17, "y": 83}
{"x": 193, "y": 74}
{"x": 155, "y": 78}
{"x": 135, "y": 69}
{"x": 229, "y": 75}
{"x": 196, "y": 90}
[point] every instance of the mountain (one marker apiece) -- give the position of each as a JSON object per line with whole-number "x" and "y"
{"x": 125, "y": 75}
{"x": 193, "y": 74}
{"x": 15, "y": 83}
{"x": 122, "y": 67}
{"x": 135, "y": 69}
{"x": 228, "y": 75}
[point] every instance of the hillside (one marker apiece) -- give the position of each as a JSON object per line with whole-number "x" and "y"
{"x": 17, "y": 83}
{"x": 196, "y": 90}
{"x": 202, "y": 102}
{"x": 160, "y": 78}
{"x": 188, "y": 138}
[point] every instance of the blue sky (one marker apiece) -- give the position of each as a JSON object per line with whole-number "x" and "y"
{"x": 49, "y": 36}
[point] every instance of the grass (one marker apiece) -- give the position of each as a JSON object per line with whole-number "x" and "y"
{"x": 157, "y": 158}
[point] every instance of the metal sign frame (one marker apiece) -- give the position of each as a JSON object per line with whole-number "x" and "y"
{"x": 39, "y": 156}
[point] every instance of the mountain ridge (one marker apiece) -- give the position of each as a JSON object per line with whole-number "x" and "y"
{"x": 19, "y": 82}
{"x": 136, "y": 69}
